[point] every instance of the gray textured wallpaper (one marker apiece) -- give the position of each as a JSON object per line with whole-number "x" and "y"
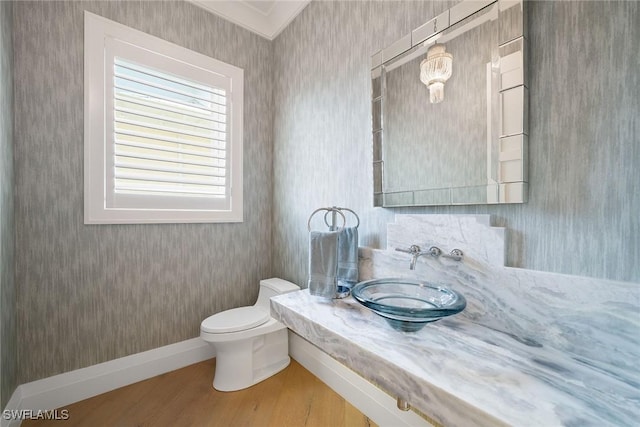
{"x": 584, "y": 149}
{"x": 91, "y": 293}
{"x": 87, "y": 294}
{"x": 8, "y": 340}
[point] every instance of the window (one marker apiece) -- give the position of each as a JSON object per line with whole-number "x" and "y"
{"x": 163, "y": 130}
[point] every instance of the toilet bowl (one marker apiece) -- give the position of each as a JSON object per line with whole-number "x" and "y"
{"x": 250, "y": 345}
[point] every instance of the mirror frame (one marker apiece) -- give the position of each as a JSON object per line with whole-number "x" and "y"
{"x": 511, "y": 177}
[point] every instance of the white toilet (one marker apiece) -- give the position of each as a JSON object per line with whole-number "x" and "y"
{"x": 250, "y": 345}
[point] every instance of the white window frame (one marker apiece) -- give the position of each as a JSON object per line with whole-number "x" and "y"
{"x": 101, "y": 35}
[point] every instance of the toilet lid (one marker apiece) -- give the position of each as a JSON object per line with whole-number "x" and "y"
{"x": 234, "y": 320}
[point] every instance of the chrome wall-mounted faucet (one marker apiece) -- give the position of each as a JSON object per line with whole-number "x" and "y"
{"x": 416, "y": 253}
{"x": 434, "y": 251}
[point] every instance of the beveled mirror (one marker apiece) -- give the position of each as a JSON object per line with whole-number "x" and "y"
{"x": 449, "y": 107}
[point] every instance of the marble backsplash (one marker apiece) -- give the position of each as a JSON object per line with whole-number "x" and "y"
{"x": 595, "y": 322}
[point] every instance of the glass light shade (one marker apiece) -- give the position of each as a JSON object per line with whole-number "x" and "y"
{"x": 436, "y": 92}
{"x": 435, "y": 70}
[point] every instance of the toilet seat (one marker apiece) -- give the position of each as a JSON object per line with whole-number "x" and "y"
{"x": 234, "y": 320}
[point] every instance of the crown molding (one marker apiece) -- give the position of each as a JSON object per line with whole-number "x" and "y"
{"x": 267, "y": 22}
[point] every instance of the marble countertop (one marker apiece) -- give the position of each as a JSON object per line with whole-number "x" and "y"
{"x": 461, "y": 373}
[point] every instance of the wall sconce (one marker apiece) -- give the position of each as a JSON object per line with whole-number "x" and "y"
{"x": 435, "y": 70}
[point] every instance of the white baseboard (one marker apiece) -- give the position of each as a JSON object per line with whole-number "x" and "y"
{"x": 369, "y": 399}
{"x": 74, "y": 386}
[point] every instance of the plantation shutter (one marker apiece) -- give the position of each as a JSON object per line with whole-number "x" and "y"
{"x": 163, "y": 130}
{"x": 169, "y": 134}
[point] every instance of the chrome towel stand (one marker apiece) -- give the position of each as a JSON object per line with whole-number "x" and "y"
{"x": 334, "y": 210}
{"x": 341, "y": 291}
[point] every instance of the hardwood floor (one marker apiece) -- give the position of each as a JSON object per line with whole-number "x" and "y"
{"x": 292, "y": 398}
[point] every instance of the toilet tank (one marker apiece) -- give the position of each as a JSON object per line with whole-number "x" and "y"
{"x": 272, "y": 287}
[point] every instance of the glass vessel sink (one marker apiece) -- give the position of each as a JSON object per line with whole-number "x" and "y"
{"x": 408, "y": 304}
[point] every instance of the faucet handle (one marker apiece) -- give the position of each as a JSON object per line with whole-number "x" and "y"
{"x": 455, "y": 254}
{"x": 435, "y": 251}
